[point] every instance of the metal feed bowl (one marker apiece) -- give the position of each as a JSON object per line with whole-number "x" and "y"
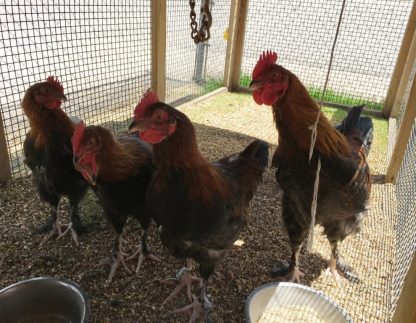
{"x": 43, "y": 299}
{"x": 274, "y": 295}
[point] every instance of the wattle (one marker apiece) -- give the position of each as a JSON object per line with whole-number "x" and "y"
{"x": 257, "y": 96}
{"x": 151, "y": 136}
{"x": 269, "y": 97}
{"x": 53, "y": 104}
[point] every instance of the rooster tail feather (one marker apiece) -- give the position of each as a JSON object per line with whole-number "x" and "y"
{"x": 258, "y": 150}
{"x": 356, "y": 125}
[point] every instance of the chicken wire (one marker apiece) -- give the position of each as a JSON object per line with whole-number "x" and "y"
{"x": 406, "y": 96}
{"x": 302, "y": 33}
{"x": 100, "y": 51}
{"x": 406, "y": 220}
{"x": 191, "y": 69}
{"x": 406, "y": 206}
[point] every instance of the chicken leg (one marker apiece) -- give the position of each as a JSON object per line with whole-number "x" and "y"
{"x": 200, "y": 306}
{"x": 53, "y": 226}
{"x": 183, "y": 279}
{"x": 294, "y": 274}
{"x": 118, "y": 258}
{"x": 332, "y": 263}
{"x": 337, "y": 268}
{"x": 143, "y": 252}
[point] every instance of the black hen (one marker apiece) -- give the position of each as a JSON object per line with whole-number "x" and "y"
{"x": 48, "y": 154}
{"x": 119, "y": 172}
{"x": 201, "y": 207}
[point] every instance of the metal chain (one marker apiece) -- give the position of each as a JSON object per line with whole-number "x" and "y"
{"x": 203, "y": 34}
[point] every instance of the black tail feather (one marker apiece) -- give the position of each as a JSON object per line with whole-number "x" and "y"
{"x": 259, "y": 150}
{"x": 356, "y": 125}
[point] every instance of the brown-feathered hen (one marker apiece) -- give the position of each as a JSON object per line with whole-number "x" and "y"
{"x": 48, "y": 154}
{"x": 201, "y": 207}
{"x": 344, "y": 179}
{"x": 119, "y": 171}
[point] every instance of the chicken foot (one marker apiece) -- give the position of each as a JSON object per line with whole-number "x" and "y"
{"x": 337, "y": 269}
{"x": 183, "y": 279}
{"x": 294, "y": 274}
{"x": 199, "y": 308}
{"x": 143, "y": 252}
{"x": 118, "y": 257}
{"x": 54, "y": 227}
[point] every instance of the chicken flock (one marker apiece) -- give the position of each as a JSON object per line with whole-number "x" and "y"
{"x": 156, "y": 173}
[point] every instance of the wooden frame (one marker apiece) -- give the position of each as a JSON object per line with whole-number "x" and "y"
{"x": 400, "y": 63}
{"x": 5, "y": 171}
{"x": 158, "y": 17}
{"x": 411, "y": 58}
{"x": 403, "y": 135}
{"x": 406, "y": 309}
{"x": 235, "y": 44}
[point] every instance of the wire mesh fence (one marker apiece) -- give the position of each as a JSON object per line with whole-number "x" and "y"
{"x": 406, "y": 206}
{"x": 302, "y": 33}
{"x": 191, "y": 69}
{"x": 405, "y": 96}
{"x": 406, "y": 220}
{"x": 99, "y": 50}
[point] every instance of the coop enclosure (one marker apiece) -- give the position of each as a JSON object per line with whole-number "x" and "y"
{"x": 108, "y": 53}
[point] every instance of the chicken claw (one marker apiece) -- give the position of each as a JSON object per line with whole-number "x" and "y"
{"x": 142, "y": 254}
{"x": 294, "y": 276}
{"x": 118, "y": 258}
{"x": 183, "y": 279}
{"x": 61, "y": 230}
{"x": 197, "y": 309}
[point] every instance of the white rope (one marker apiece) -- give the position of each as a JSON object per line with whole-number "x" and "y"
{"x": 314, "y": 129}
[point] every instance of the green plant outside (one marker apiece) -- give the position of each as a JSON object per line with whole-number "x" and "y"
{"x": 330, "y": 95}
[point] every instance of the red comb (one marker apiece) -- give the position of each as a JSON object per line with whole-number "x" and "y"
{"x": 147, "y": 100}
{"x": 77, "y": 137}
{"x": 267, "y": 58}
{"x": 52, "y": 80}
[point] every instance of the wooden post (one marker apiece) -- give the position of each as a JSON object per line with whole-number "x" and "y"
{"x": 235, "y": 43}
{"x": 403, "y": 135}
{"x": 411, "y": 58}
{"x": 400, "y": 63}
{"x": 158, "y": 8}
{"x": 406, "y": 309}
{"x": 5, "y": 172}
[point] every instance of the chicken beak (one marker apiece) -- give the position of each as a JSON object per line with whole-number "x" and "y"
{"x": 137, "y": 126}
{"x": 63, "y": 98}
{"x": 255, "y": 85}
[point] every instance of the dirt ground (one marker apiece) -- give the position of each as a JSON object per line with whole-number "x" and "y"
{"x": 225, "y": 124}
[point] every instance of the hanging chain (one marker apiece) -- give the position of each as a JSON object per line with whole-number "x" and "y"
{"x": 203, "y": 34}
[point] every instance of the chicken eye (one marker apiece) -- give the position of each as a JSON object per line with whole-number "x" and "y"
{"x": 91, "y": 142}
{"x": 274, "y": 75}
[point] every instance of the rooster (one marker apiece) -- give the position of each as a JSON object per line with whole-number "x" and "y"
{"x": 201, "y": 207}
{"x": 48, "y": 154}
{"x": 344, "y": 178}
{"x": 119, "y": 172}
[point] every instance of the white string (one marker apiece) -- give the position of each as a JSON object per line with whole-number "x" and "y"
{"x": 314, "y": 129}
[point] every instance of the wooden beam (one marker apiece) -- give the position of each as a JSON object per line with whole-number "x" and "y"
{"x": 5, "y": 171}
{"x": 406, "y": 309}
{"x": 235, "y": 44}
{"x": 230, "y": 41}
{"x": 403, "y": 135}
{"x": 158, "y": 28}
{"x": 411, "y": 58}
{"x": 400, "y": 62}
